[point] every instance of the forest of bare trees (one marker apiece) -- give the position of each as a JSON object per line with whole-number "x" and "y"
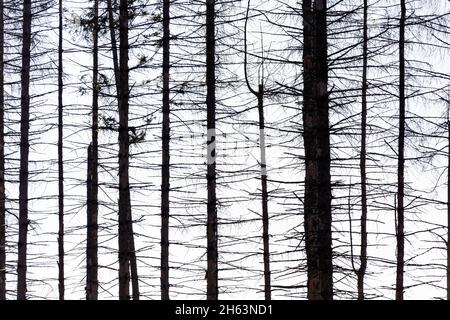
{"x": 240, "y": 149}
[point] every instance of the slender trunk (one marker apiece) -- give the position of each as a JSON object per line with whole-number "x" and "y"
{"x": 92, "y": 227}
{"x": 363, "y": 254}
{"x": 92, "y": 202}
{"x": 24, "y": 150}
{"x": 448, "y": 209}
{"x": 211, "y": 231}
{"x": 124, "y": 186}
{"x": 265, "y": 195}
{"x": 262, "y": 146}
{"x": 60, "y": 158}
{"x": 133, "y": 260}
{"x": 2, "y": 165}
{"x": 316, "y": 136}
{"x": 165, "y": 168}
{"x": 112, "y": 35}
{"x": 401, "y": 160}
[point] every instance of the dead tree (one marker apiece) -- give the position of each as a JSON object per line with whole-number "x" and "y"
{"x": 132, "y": 252}
{"x": 92, "y": 183}
{"x": 400, "y": 233}
{"x": 60, "y": 157}
{"x": 448, "y": 201}
{"x": 316, "y": 138}
{"x": 211, "y": 225}
{"x": 165, "y": 168}
{"x": 124, "y": 145}
{"x": 24, "y": 151}
{"x": 363, "y": 155}
{"x": 2, "y": 163}
{"x": 263, "y": 164}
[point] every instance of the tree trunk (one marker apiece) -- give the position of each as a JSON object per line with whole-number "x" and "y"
{"x": 60, "y": 159}
{"x": 448, "y": 208}
{"x": 165, "y": 168}
{"x": 112, "y": 34}
{"x": 124, "y": 186}
{"x": 401, "y": 160}
{"x": 316, "y": 136}
{"x": 265, "y": 195}
{"x": 262, "y": 146}
{"x": 133, "y": 260}
{"x": 2, "y": 164}
{"x": 211, "y": 233}
{"x": 92, "y": 232}
{"x": 363, "y": 254}
{"x": 92, "y": 184}
{"x": 24, "y": 150}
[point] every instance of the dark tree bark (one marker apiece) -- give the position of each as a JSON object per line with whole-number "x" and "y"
{"x": 448, "y": 207}
{"x": 262, "y": 146}
{"x": 317, "y": 203}
{"x": 92, "y": 184}
{"x": 60, "y": 158}
{"x": 212, "y": 290}
{"x": 265, "y": 195}
{"x": 399, "y": 289}
{"x": 363, "y": 254}
{"x": 2, "y": 164}
{"x": 92, "y": 236}
{"x": 124, "y": 185}
{"x": 24, "y": 151}
{"x": 165, "y": 169}
{"x": 133, "y": 260}
{"x": 112, "y": 34}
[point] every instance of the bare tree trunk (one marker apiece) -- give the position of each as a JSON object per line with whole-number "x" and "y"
{"x": 401, "y": 160}
{"x": 165, "y": 168}
{"x": 60, "y": 159}
{"x": 24, "y": 151}
{"x": 92, "y": 185}
{"x": 2, "y": 163}
{"x": 265, "y": 194}
{"x": 363, "y": 255}
{"x": 133, "y": 259}
{"x": 448, "y": 208}
{"x": 92, "y": 232}
{"x": 262, "y": 146}
{"x": 124, "y": 185}
{"x": 316, "y": 134}
{"x": 447, "y": 243}
{"x": 112, "y": 35}
{"x": 211, "y": 233}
